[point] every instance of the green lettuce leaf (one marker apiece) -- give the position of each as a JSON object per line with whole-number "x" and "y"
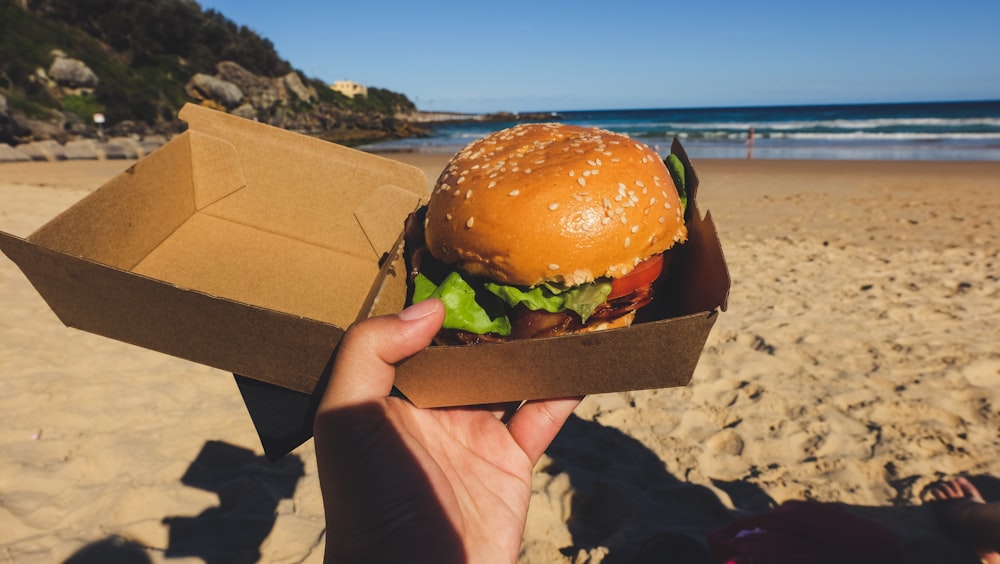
{"x": 538, "y": 297}
{"x": 676, "y": 168}
{"x": 582, "y": 299}
{"x": 462, "y": 310}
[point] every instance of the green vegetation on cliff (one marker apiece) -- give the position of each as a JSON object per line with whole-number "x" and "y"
{"x": 144, "y": 53}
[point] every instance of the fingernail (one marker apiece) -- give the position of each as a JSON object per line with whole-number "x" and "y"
{"x": 419, "y": 310}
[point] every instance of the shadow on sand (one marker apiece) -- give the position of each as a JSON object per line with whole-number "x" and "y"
{"x": 249, "y": 487}
{"x": 625, "y": 500}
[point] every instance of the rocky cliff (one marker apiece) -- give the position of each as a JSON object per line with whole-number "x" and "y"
{"x": 68, "y": 71}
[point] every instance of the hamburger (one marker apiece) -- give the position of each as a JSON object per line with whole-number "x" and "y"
{"x": 545, "y": 229}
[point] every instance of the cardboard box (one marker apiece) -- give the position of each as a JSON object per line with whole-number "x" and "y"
{"x": 250, "y": 249}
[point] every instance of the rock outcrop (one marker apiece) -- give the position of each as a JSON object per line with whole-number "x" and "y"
{"x": 204, "y": 87}
{"x": 71, "y": 73}
{"x": 285, "y": 101}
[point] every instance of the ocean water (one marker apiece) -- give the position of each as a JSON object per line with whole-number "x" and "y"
{"x": 909, "y": 131}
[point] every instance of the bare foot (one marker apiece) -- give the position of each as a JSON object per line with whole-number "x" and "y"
{"x": 961, "y": 488}
{"x": 957, "y": 489}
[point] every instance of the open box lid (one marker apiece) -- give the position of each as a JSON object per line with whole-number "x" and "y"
{"x": 237, "y": 245}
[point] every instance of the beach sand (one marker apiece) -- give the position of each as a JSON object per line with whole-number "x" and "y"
{"x": 858, "y": 362}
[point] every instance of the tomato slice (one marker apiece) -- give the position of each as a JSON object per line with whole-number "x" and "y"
{"x": 644, "y": 274}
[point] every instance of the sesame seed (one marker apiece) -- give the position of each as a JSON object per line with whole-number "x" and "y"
{"x": 513, "y": 192}
{"x": 553, "y": 206}
{"x": 605, "y": 220}
{"x": 527, "y": 171}
{"x": 582, "y": 181}
{"x": 635, "y": 229}
{"x": 448, "y": 216}
{"x": 469, "y": 223}
{"x": 468, "y": 194}
{"x": 461, "y": 179}
{"x": 586, "y": 173}
{"x": 553, "y": 266}
{"x": 492, "y": 184}
{"x": 663, "y": 219}
{"x": 628, "y": 242}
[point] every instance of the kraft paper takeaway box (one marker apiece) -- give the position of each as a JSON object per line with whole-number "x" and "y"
{"x": 251, "y": 249}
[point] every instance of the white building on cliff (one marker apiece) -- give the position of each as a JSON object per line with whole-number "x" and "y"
{"x": 350, "y": 88}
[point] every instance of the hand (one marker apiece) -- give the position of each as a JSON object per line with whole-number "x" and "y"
{"x": 407, "y": 484}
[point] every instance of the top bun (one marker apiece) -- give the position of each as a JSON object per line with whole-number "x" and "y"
{"x": 553, "y": 203}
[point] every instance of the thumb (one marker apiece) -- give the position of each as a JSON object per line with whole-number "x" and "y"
{"x": 364, "y": 369}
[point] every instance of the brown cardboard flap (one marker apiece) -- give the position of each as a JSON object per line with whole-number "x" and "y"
{"x": 284, "y": 349}
{"x": 605, "y": 361}
{"x": 123, "y": 220}
{"x": 215, "y": 169}
{"x": 379, "y": 216}
{"x": 223, "y": 258}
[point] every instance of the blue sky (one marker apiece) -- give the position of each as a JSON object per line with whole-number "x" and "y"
{"x": 578, "y": 54}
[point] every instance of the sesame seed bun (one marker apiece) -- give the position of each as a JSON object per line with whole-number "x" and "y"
{"x": 553, "y": 203}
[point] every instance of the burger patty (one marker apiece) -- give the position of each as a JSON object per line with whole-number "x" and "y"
{"x": 532, "y": 324}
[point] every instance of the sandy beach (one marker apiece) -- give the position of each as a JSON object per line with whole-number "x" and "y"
{"x": 857, "y": 364}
